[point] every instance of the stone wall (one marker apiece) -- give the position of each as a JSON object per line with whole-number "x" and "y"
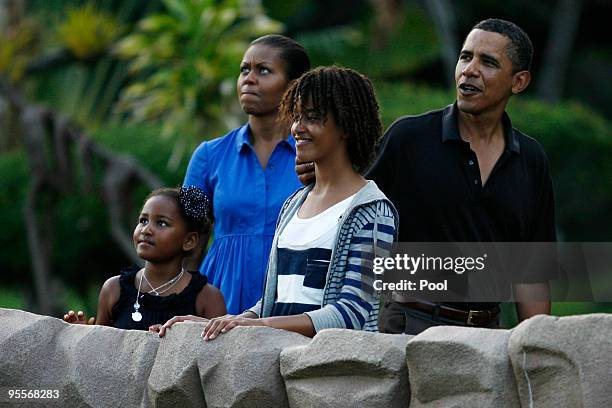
{"x": 544, "y": 362}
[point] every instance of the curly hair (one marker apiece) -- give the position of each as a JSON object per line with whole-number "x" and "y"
{"x": 348, "y": 96}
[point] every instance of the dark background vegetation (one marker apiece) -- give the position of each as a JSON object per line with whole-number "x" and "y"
{"x": 151, "y": 79}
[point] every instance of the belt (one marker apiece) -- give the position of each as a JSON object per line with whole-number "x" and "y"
{"x": 477, "y": 318}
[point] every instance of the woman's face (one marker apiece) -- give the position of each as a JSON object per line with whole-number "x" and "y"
{"x": 262, "y": 80}
{"x": 317, "y": 139}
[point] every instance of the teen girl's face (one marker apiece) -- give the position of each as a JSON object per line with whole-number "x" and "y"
{"x": 317, "y": 139}
{"x": 262, "y": 80}
{"x": 161, "y": 232}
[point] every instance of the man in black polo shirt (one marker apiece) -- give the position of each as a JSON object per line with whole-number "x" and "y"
{"x": 464, "y": 174}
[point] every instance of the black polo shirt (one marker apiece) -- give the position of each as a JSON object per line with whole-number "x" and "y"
{"x": 432, "y": 177}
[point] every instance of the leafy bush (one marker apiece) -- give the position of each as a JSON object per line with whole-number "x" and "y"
{"x": 411, "y": 46}
{"x": 88, "y": 32}
{"x": 185, "y": 65}
{"x": 400, "y": 99}
{"x": 579, "y": 146}
{"x": 19, "y": 45}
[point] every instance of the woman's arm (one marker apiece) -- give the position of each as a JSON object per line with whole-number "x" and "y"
{"x": 297, "y": 323}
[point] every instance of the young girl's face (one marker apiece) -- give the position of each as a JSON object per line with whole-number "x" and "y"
{"x": 161, "y": 233}
{"x": 317, "y": 138}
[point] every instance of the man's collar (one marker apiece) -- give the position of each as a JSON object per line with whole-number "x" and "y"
{"x": 450, "y": 128}
{"x": 243, "y": 138}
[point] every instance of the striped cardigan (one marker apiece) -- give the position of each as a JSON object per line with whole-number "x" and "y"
{"x": 367, "y": 229}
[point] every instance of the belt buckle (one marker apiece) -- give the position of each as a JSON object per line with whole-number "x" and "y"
{"x": 471, "y": 315}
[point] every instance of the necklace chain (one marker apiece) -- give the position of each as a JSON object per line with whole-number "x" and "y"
{"x": 156, "y": 291}
{"x": 137, "y": 316}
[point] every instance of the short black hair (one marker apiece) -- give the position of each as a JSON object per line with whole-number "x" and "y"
{"x": 291, "y": 51}
{"x": 520, "y": 49}
{"x": 200, "y": 224}
{"x": 349, "y": 96}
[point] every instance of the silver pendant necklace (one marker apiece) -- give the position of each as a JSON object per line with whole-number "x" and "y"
{"x": 137, "y": 316}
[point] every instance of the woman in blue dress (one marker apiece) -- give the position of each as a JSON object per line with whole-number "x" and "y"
{"x": 249, "y": 172}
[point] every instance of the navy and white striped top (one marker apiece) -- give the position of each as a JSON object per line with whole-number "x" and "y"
{"x": 304, "y": 251}
{"x": 369, "y": 226}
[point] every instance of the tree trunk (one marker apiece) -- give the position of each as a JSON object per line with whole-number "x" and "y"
{"x": 389, "y": 15}
{"x": 446, "y": 26}
{"x": 561, "y": 39}
{"x": 37, "y": 228}
{"x": 48, "y": 140}
{"x": 11, "y": 12}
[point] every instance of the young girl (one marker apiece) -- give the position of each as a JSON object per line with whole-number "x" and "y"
{"x": 168, "y": 228}
{"x": 319, "y": 272}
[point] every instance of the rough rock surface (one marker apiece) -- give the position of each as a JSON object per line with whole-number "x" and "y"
{"x": 347, "y": 368}
{"x": 89, "y": 365}
{"x": 563, "y": 361}
{"x": 543, "y": 362}
{"x": 461, "y": 367}
{"x": 238, "y": 369}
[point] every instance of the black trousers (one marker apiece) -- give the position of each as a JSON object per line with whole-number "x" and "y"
{"x": 397, "y": 318}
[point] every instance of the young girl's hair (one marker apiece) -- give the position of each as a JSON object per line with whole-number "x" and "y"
{"x": 346, "y": 94}
{"x": 193, "y": 204}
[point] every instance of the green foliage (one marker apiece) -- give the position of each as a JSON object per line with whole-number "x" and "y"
{"x": 400, "y": 99}
{"x": 144, "y": 144}
{"x": 14, "y": 251}
{"x": 83, "y": 252}
{"x": 185, "y": 62}
{"x": 509, "y": 318}
{"x": 84, "y": 93}
{"x": 11, "y": 298}
{"x": 579, "y": 146}
{"x": 411, "y": 46}
{"x": 88, "y": 32}
{"x": 19, "y": 44}
{"x": 73, "y": 71}
{"x": 85, "y": 301}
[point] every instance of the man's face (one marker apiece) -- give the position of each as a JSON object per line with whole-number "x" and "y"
{"x": 484, "y": 73}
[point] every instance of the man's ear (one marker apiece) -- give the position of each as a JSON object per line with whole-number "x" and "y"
{"x": 191, "y": 241}
{"x": 520, "y": 81}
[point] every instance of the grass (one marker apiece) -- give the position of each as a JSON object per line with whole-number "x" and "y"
{"x": 11, "y": 298}
{"x": 14, "y": 298}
